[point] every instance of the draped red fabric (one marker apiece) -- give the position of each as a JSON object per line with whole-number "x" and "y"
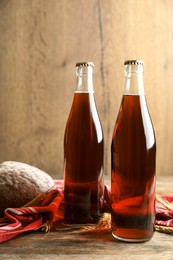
{"x": 164, "y": 211}
{"x": 48, "y": 208}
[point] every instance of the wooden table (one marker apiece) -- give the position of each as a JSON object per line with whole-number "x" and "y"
{"x": 66, "y": 245}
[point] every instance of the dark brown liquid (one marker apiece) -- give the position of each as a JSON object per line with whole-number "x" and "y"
{"x": 133, "y": 153}
{"x": 83, "y": 158}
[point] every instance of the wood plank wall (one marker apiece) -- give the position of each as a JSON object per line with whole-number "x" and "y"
{"x": 40, "y": 42}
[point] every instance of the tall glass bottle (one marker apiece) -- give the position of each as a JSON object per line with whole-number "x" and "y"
{"x": 133, "y": 161}
{"x": 83, "y": 153}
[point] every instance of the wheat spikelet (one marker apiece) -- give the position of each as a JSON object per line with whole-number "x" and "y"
{"x": 164, "y": 229}
{"x": 104, "y": 225}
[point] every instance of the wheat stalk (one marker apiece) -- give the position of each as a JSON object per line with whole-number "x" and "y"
{"x": 104, "y": 225}
{"x": 164, "y": 229}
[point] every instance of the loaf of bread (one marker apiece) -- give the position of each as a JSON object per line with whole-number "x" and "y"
{"x": 20, "y": 183}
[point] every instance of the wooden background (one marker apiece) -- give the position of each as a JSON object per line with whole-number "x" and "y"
{"x": 40, "y": 42}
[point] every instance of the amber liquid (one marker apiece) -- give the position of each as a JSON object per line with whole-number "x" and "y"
{"x": 83, "y": 158}
{"x": 133, "y": 153}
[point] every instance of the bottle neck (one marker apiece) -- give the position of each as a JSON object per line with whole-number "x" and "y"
{"x": 84, "y": 81}
{"x": 134, "y": 84}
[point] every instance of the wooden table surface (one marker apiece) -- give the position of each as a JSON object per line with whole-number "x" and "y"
{"x": 64, "y": 244}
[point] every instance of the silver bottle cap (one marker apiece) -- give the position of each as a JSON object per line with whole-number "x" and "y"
{"x": 85, "y": 64}
{"x": 134, "y": 62}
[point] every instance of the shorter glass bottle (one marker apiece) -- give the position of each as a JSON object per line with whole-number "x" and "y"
{"x": 83, "y": 153}
{"x": 133, "y": 162}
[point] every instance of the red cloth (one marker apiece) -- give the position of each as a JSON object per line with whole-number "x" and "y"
{"x": 50, "y": 208}
{"x": 164, "y": 211}
{"x": 19, "y": 220}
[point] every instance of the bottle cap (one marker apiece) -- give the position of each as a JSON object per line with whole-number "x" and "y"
{"x": 134, "y": 62}
{"x": 85, "y": 64}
